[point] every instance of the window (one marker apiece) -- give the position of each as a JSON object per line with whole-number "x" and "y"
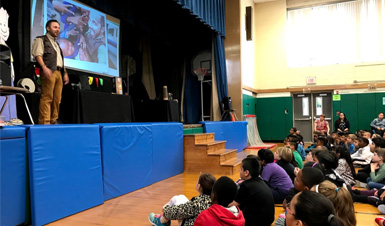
{"x": 349, "y": 32}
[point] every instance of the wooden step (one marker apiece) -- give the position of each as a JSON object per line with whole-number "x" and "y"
{"x": 212, "y": 146}
{"x": 203, "y": 154}
{"x": 224, "y": 154}
{"x": 202, "y": 138}
{"x": 234, "y": 164}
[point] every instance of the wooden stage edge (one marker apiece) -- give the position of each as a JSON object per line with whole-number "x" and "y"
{"x": 134, "y": 208}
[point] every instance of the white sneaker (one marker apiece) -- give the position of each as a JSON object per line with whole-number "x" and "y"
{"x": 381, "y": 208}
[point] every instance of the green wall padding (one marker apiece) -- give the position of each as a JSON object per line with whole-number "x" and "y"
{"x": 249, "y": 105}
{"x": 278, "y": 119}
{"x": 273, "y": 122}
{"x": 366, "y": 109}
{"x": 264, "y": 118}
{"x": 380, "y": 107}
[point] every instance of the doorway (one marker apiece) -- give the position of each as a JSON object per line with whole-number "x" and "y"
{"x": 307, "y": 108}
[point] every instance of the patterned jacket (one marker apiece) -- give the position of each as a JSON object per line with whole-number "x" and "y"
{"x": 188, "y": 211}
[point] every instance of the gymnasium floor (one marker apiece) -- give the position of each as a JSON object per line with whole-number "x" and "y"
{"x": 133, "y": 208}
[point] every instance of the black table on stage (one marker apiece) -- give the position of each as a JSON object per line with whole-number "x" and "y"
{"x": 158, "y": 111}
{"x": 82, "y": 106}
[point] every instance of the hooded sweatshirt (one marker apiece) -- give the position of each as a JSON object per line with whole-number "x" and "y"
{"x": 218, "y": 215}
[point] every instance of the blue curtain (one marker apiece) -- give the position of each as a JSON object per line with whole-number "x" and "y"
{"x": 220, "y": 66}
{"x": 210, "y": 12}
{"x": 192, "y": 97}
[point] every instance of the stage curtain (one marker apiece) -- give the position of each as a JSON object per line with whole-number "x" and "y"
{"x": 220, "y": 66}
{"x": 148, "y": 73}
{"x": 191, "y": 101}
{"x": 215, "y": 104}
{"x": 211, "y": 13}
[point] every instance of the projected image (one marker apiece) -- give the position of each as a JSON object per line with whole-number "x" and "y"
{"x": 112, "y": 40}
{"x": 83, "y": 37}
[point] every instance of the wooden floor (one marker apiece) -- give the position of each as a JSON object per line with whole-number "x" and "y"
{"x": 133, "y": 208}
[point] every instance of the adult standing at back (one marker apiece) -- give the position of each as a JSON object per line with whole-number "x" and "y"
{"x": 378, "y": 124}
{"x": 342, "y": 124}
{"x": 322, "y": 125}
{"x": 49, "y": 58}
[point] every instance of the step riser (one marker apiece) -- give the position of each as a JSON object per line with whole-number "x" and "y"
{"x": 228, "y": 156}
{"x": 236, "y": 168}
{"x": 215, "y": 147}
{"x": 223, "y": 170}
{"x": 204, "y": 139}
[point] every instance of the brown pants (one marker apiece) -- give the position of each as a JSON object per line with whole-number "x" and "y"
{"x": 51, "y": 89}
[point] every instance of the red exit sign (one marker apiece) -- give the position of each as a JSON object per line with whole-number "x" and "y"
{"x": 310, "y": 80}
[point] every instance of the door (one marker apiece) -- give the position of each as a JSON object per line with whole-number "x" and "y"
{"x": 303, "y": 114}
{"x": 307, "y": 108}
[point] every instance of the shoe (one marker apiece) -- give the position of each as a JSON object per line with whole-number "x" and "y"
{"x": 364, "y": 185}
{"x": 373, "y": 200}
{"x": 378, "y": 219}
{"x": 155, "y": 220}
{"x": 381, "y": 208}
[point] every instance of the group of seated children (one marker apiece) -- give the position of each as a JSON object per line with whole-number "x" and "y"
{"x": 315, "y": 185}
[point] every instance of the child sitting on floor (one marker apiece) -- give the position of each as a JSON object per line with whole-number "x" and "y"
{"x": 224, "y": 191}
{"x": 341, "y": 199}
{"x": 377, "y": 170}
{"x": 345, "y": 166}
{"x": 305, "y": 180}
{"x": 363, "y": 156}
{"x": 368, "y": 136}
{"x": 329, "y": 160}
{"x": 284, "y": 157}
{"x": 311, "y": 209}
{"x": 350, "y": 143}
{"x": 277, "y": 178}
{"x": 254, "y": 196}
{"x": 188, "y": 211}
{"x": 296, "y": 155}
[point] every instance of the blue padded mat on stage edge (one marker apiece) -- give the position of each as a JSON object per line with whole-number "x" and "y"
{"x": 65, "y": 170}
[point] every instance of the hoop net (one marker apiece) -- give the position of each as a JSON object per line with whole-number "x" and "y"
{"x": 200, "y": 72}
{"x": 253, "y": 138}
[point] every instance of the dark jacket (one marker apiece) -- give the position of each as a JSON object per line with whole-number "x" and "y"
{"x": 50, "y": 55}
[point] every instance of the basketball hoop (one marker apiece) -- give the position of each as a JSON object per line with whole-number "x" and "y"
{"x": 200, "y": 72}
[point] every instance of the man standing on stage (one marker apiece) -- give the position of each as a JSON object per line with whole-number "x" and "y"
{"x": 49, "y": 58}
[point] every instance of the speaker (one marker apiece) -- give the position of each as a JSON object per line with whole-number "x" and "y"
{"x": 249, "y": 24}
{"x": 227, "y": 106}
{"x": 5, "y": 66}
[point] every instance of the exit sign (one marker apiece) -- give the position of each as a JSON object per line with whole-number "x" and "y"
{"x": 310, "y": 80}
